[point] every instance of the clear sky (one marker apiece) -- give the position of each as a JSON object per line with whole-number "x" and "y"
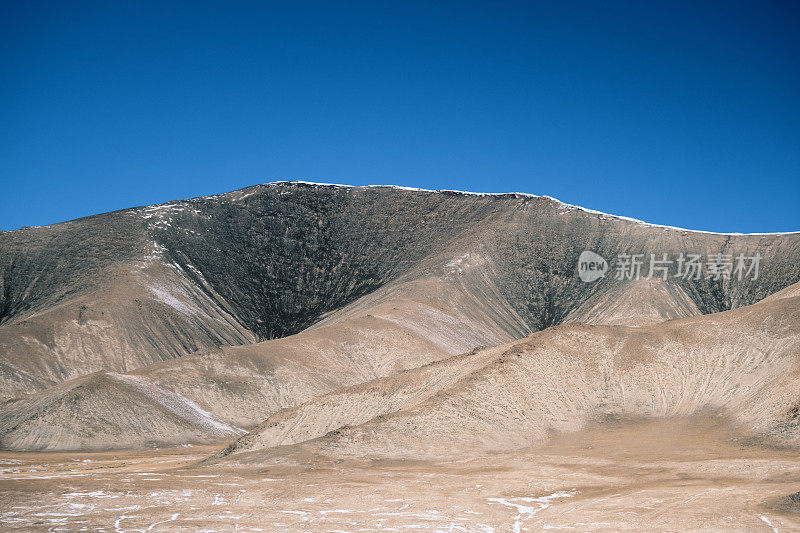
{"x": 685, "y": 114}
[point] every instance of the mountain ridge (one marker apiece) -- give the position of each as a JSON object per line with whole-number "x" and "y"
{"x": 419, "y": 189}
{"x": 263, "y": 298}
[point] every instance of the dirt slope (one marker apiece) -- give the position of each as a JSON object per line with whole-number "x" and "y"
{"x": 266, "y": 298}
{"x": 123, "y": 290}
{"x": 635, "y": 303}
{"x": 405, "y": 327}
{"x": 106, "y": 411}
{"x": 743, "y": 363}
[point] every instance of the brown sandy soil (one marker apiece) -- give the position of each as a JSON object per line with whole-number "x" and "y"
{"x": 667, "y": 475}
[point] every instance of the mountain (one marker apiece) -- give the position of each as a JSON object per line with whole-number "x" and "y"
{"x": 742, "y": 364}
{"x": 244, "y": 304}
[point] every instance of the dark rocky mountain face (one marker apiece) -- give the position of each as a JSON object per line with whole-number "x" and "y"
{"x": 282, "y": 256}
{"x": 138, "y": 288}
{"x": 278, "y": 257}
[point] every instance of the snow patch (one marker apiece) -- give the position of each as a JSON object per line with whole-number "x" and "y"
{"x": 768, "y": 522}
{"x": 178, "y": 404}
{"x": 525, "y": 511}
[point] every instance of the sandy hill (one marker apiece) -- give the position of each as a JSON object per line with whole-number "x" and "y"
{"x": 743, "y": 364}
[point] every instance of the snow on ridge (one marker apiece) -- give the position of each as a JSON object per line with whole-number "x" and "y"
{"x": 663, "y": 226}
{"x": 528, "y": 195}
{"x": 569, "y": 207}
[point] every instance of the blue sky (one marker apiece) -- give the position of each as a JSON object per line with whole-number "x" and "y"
{"x": 683, "y": 114}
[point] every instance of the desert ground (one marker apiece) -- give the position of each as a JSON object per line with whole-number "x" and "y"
{"x": 667, "y": 475}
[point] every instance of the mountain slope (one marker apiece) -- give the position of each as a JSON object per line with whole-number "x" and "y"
{"x": 407, "y": 326}
{"x": 123, "y": 290}
{"x": 262, "y": 299}
{"x": 635, "y": 303}
{"x": 138, "y": 317}
{"x": 107, "y": 411}
{"x": 743, "y": 363}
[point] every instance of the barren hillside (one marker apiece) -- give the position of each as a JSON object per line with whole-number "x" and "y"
{"x": 742, "y": 364}
{"x": 249, "y": 302}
